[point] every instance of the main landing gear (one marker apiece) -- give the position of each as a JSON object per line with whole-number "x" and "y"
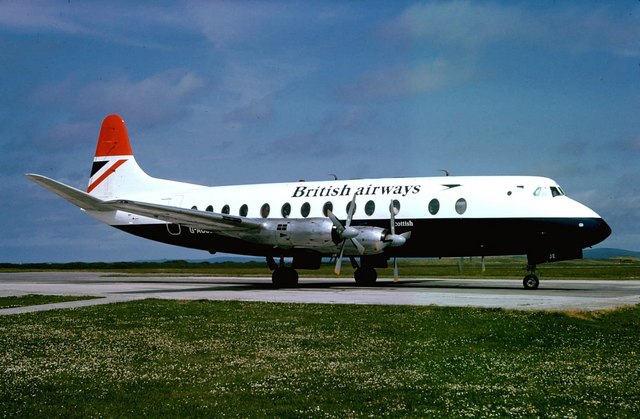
{"x": 531, "y": 281}
{"x": 284, "y": 277}
{"x": 365, "y": 276}
{"x": 287, "y": 277}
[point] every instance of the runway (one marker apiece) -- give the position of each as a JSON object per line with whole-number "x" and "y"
{"x": 583, "y": 295}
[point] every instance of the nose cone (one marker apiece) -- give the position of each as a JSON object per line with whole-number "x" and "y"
{"x": 596, "y": 230}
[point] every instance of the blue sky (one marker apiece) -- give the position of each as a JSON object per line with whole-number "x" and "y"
{"x": 247, "y": 92}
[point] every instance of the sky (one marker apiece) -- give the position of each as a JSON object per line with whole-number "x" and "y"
{"x": 232, "y": 92}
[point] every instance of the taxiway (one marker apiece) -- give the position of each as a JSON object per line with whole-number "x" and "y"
{"x": 584, "y": 295}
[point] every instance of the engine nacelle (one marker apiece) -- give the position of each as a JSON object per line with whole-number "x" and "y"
{"x": 317, "y": 234}
{"x": 371, "y": 238}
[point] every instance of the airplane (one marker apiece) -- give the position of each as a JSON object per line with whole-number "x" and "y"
{"x": 370, "y": 219}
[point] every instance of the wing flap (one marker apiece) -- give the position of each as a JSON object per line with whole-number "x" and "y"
{"x": 188, "y": 217}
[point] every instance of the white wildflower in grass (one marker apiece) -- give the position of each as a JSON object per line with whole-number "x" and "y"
{"x": 167, "y": 358}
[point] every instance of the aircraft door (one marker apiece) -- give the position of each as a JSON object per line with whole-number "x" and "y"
{"x": 173, "y": 201}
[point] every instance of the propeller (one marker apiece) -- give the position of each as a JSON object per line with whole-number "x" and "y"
{"x": 346, "y": 232}
{"x": 395, "y": 240}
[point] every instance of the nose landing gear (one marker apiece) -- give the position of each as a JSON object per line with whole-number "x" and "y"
{"x": 531, "y": 281}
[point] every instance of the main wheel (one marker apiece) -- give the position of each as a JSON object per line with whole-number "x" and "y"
{"x": 284, "y": 277}
{"x": 365, "y": 276}
{"x": 530, "y": 282}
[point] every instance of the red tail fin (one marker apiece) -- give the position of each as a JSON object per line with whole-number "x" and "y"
{"x": 113, "y": 140}
{"x": 113, "y": 144}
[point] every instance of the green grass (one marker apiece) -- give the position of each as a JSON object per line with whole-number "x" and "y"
{"x": 495, "y": 267}
{"x": 35, "y": 299}
{"x": 233, "y": 359}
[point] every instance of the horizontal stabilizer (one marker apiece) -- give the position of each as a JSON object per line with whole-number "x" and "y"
{"x": 71, "y": 194}
{"x": 199, "y": 219}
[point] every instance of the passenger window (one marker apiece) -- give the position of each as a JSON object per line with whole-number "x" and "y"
{"x": 434, "y": 206}
{"x": 265, "y": 210}
{"x": 244, "y": 209}
{"x": 226, "y": 209}
{"x": 286, "y": 210}
{"x": 349, "y": 206}
{"x": 369, "y": 208}
{"x": 461, "y": 206}
{"x": 209, "y": 208}
{"x": 395, "y": 204}
{"x": 305, "y": 209}
{"x": 328, "y": 206}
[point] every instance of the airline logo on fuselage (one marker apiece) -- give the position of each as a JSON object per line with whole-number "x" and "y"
{"x": 345, "y": 190}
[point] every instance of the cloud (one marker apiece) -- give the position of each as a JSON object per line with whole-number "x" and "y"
{"x": 479, "y": 24}
{"x": 257, "y": 111}
{"x": 253, "y": 88}
{"x": 460, "y": 22}
{"x": 407, "y": 80}
{"x": 225, "y": 23}
{"x": 327, "y": 139}
{"x": 40, "y": 16}
{"x": 127, "y": 23}
{"x": 150, "y": 101}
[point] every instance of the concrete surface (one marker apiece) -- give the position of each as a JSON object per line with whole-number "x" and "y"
{"x": 586, "y": 295}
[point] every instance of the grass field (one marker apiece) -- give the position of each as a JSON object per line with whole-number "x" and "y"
{"x": 495, "y": 267}
{"x": 232, "y": 359}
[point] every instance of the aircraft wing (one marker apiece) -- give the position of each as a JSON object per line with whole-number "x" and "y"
{"x": 222, "y": 223}
{"x": 71, "y": 194}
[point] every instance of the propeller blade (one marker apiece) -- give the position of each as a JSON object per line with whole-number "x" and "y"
{"x": 358, "y": 246}
{"x": 396, "y": 278}
{"x": 339, "y": 260}
{"x": 352, "y": 208}
{"x": 338, "y": 225}
{"x": 392, "y": 211}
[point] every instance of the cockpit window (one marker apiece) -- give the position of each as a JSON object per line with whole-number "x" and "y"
{"x": 556, "y": 191}
{"x": 548, "y": 190}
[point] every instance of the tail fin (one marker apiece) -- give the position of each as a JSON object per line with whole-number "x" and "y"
{"x": 114, "y": 171}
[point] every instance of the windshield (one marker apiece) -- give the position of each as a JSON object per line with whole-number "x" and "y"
{"x": 548, "y": 191}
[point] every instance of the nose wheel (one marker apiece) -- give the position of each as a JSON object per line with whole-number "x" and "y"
{"x": 531, "y": 281}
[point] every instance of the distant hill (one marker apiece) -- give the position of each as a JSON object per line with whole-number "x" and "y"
{"x": 606, "y": 253}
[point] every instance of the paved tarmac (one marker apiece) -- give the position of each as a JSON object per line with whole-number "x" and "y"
{"x": 582, "y": 295}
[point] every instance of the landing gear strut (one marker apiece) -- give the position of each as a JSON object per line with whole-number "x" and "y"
{"x": 531, "y": 281}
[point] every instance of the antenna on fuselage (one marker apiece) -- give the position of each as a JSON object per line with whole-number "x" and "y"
{"x": 446, "y": 172}
{"x": 335, "y": 177}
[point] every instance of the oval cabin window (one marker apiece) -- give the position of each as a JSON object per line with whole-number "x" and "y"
{"x": 305, "y": 209}
{"x": 286, "y": 210}
{"x": 434, "y": 206}
{"x": 265, "y": 210}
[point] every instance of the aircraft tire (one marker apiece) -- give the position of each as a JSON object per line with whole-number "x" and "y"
{"x": 365, "y": 276}
{"x": 284, "y": 277}
{"x": 530, "y": 282}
